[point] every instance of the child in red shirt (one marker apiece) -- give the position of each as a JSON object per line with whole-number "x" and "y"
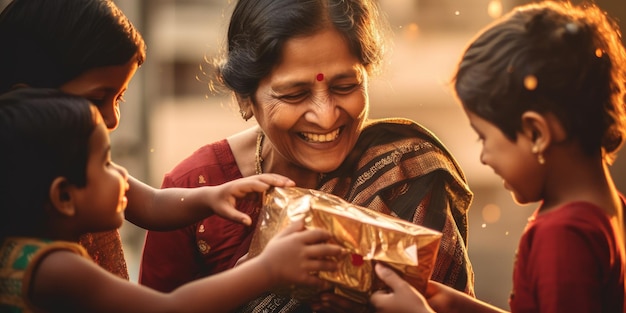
{"x": 544, "y": 89}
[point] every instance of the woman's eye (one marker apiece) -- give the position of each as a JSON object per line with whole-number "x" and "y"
{"x": 294, "y": 97}
{"x": 345, "y": 89}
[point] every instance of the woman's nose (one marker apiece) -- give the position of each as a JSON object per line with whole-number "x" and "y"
{"x": 323, "y": 111}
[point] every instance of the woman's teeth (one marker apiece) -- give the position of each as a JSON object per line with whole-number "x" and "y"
{"x": 310, "y": 137}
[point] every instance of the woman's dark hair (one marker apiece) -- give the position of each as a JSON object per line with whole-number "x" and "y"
{"x": 258, "y": 30}
{"x": 45, "y": 134}
{"x": 549, "y": 57}
{"x": 46, "y": 43}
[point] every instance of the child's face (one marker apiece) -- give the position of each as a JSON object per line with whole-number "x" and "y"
{"x": 513, "y": 161}
{"x": 103, "y": 200}
{"x": 105, "y": 87}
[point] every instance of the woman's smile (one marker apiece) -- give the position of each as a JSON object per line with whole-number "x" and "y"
{"x": 321, "y": 138}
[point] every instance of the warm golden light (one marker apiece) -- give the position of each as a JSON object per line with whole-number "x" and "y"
{"x": 411, "y": 31}
{"x": 491, "y": 213}
{"x": 599, "y": 53}
{"x": 494, "y": 8}
{"x": 530, "y": 82}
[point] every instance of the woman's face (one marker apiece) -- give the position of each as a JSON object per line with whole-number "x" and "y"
{"x": 313, "y": 103}
{"x": 105, "y": 87}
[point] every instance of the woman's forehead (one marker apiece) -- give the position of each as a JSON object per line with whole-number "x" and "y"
{"x": 326, "y": 53}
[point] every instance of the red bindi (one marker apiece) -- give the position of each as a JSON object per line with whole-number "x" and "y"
{"x": 319, "y": 77}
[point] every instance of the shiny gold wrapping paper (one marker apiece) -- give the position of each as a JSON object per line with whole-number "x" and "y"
{"x": 369, "y": 236}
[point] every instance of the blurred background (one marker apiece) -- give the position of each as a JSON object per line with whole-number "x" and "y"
{"x": 169, "y": 111}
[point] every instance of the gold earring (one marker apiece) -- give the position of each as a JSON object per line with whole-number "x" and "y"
{"x": 244, "y": 115}
{"x": 540, "y": 157}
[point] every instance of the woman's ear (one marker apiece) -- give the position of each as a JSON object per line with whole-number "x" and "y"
{"x": 61, "y": 197}
{"x": 245, "y": 107}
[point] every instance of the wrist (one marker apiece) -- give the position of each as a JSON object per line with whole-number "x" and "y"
{"x": 266, "y": 272}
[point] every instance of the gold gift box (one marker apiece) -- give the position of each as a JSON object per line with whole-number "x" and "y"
{"x": 367, "y": 235}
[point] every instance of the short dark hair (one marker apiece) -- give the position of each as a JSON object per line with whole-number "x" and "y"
{"x": 258, "y": 30}
{"x": 45, "y": 134}
{"x": 47, "y": 43}
{"x": 549, "y": 57}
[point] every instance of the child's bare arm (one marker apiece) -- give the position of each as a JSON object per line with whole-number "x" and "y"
{"x": 446, "y": 299}
{"x": 66, "y": 282}
{"x": 172, "y": 208}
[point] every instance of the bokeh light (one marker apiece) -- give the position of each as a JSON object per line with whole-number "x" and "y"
{"x": 530, "y": 82}
{"x": 491, "y": 213}
{"x": 494, "y": 8}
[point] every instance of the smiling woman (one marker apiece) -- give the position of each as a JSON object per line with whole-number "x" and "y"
{"x": 301, "y": 68}
{"x": 311, "y": 125}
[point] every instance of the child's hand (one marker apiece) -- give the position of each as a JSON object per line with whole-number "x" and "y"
{"x": 225, "y": 196}
{"x": 295, "y": 255}
{"x": 402, "y": 298}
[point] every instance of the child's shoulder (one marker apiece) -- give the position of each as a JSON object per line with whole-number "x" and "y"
{"x": 19, "y": 257}
{"x": 17, "y": 252}
{"x": 572, "y": 212}
{"x": 577, "y": 219}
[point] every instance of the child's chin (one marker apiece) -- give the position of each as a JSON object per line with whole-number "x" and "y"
{"x": 120, "y": 220}
{"x": 518, "y": 199}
